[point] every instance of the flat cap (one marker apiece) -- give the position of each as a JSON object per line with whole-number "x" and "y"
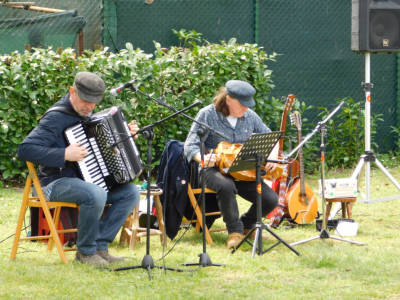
{"x": 90, "y": 87}
{"x": 241, "y": 90}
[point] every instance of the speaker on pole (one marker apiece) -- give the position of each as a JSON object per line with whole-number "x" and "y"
{"x": 375, "y": 25}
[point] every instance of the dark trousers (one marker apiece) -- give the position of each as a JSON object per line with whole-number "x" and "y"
{"x": 227, "y": 188}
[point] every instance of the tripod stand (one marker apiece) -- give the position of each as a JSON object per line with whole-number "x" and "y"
{"x": 369, "y": 155}
{"x": 204, "y": 259}
{"x": 253, "y": 152}
{"x": 147, "y": 131}
{"x": 324, "y": 234}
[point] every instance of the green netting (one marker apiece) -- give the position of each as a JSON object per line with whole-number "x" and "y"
{"x": 57, "y": 30}
{"x": 312, "y": 37}
{"x": 55, "y": 27}
{"x": 140, "y": 23}
{"x": 316, "y": 62}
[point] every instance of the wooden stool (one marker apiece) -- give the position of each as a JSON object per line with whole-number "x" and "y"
{"x": 132, "y": 232}
{"x": 346, "y": 206}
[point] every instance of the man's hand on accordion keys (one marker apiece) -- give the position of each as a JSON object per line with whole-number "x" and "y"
{"x": 75, "y": 152}
{"x": 133, "y": 128}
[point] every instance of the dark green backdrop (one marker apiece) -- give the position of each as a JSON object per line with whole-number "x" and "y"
{"x": 312, "y": 38}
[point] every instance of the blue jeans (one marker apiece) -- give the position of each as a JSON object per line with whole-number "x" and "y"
{"x": 94, "y": 231}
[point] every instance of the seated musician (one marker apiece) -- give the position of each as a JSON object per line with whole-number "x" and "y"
{"x": 230, "y": 115}
{"x": 46, "y": 146}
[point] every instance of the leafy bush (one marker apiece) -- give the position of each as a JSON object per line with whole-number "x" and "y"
{"x": 31, "y": 82}
{"x": 345, "y": 137}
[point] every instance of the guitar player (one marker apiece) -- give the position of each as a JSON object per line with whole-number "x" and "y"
{"x": 231, "y": 114}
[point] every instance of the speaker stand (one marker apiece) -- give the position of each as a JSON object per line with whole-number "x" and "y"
{"x": 369, "y": 156}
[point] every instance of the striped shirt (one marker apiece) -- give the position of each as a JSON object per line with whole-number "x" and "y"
{"x": 247, "y": 125}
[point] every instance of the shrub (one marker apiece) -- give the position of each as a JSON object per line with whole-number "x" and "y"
{"x": 31, "y": 82}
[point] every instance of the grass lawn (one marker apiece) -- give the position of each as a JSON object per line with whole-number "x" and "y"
{"x": 326, "y": 268}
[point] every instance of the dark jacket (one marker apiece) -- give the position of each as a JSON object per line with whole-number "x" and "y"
{"x": 45, "y": 145}
{"x": 173, "y": 177}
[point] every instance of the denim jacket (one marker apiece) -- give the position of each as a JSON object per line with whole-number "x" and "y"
{"x": 247, "y": 125}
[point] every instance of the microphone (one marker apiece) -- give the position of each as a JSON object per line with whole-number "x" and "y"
{"x": 115, "y": 91}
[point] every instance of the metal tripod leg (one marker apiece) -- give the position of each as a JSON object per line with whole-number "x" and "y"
{"x": 257, "y": 243}
{"x": 325, "y": 235}
{"x": 386, "y": 172}
{"x": 367, "y": 158}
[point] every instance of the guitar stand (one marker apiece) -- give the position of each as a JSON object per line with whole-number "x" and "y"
{"x": 252, "y": 154}
{"x": 324, "y": 234}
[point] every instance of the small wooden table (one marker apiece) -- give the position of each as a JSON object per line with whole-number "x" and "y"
{"x": 132, "y": 232}
{"x": 346, "y": 206}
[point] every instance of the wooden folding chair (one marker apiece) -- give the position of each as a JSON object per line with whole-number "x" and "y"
{"x": 40, "y": 201}
{"x": 193, "y": 190}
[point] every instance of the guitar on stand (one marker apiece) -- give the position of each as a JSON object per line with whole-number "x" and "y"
{"x": 301, "y": 201}
{"x": 280, "y": 186}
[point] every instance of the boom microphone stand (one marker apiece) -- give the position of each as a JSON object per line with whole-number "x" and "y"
{"x": 369, "y": 155}
{"x": 147, "y": 262}
{"x": 147, "y": 131}
{"x": 204, "y": 259}
{"x": 324, "y": 234}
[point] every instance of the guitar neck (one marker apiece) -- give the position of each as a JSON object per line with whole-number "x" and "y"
{"x": 302, "y": 184}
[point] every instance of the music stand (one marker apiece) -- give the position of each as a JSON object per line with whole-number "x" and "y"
{"x": 251, "y": 156}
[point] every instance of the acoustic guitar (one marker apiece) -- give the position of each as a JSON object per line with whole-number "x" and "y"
{"x": 276, "y": 216}
{"x": 226, "y": 154}
{"x": 301, "y": 201}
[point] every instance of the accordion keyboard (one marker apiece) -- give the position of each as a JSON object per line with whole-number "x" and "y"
{"x": 92, "y": 167}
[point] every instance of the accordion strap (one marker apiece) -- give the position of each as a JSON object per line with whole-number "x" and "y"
{"x": 62, "y": 109}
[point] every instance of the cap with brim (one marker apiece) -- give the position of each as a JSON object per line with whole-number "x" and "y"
{"x": 89, "y": 86}
{"x": 241, "y": 90}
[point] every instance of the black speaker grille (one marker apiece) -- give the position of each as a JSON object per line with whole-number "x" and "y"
{"x": 384, "y": 29}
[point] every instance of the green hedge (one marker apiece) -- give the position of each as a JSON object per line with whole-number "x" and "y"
{"x": 30, "y": 82}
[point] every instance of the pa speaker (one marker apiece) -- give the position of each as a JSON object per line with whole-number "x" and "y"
{"x": 375, "y": 25}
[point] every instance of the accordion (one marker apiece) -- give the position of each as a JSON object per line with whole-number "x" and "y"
{"x": 113, "y": 157}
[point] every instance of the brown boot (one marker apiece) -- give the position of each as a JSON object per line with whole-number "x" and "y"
{"x": 253, "y": 234}
{"x": 92, "y": 259}
{"x": 234, "y": 239}
{"x": 109, "y": 258}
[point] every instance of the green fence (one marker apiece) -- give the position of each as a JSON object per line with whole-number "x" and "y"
{"x": 141, "y": 23}
{"x": 317, "y": 63}
{"x": 36, "y": 27}
{"x": 311, "y": 36}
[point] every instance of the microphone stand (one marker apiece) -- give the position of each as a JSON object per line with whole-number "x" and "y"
{"x": 161, "y": 102}
{"x": 204, "y": 260}
{"x": 147, "y": 131}
{"x": 321, "y": 126}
